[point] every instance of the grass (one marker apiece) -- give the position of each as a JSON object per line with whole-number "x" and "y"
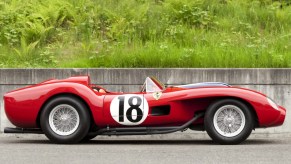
{"x": 145, "y": 33}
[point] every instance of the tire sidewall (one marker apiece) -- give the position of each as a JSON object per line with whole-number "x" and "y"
{"x": 84, "y": 123}
{"x": 212, "y": 132}
{"x": 88, "y": 137}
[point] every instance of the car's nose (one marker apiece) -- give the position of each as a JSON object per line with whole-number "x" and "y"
{"x": 281, "y": 117}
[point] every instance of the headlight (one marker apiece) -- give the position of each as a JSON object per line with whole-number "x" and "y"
{"x": 272, "y": 103}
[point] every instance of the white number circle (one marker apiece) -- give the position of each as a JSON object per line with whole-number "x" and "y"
{"x": 129, "y": 109}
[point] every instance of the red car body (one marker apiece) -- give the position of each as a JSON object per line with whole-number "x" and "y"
{"x": 178, "y": 103}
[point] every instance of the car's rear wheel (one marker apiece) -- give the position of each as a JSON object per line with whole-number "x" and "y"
{"x": 89, "y": 137}
{"x": 65, "y": 120}
{"x": 229, "y": 121}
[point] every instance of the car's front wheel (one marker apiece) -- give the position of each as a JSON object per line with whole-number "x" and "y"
{"x": 65, "y": 120}
{"x": 229, "y": 121}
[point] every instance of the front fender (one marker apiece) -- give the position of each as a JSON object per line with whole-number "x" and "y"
{"x": 267, "y": 115}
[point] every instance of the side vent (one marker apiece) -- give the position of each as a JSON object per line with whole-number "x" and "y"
{"x": 160, "y": 110}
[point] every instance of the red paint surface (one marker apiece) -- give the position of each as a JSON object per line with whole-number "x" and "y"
{"x": 22, "y": 106}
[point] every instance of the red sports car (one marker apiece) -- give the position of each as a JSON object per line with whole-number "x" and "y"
{"x": 74, "y": 110}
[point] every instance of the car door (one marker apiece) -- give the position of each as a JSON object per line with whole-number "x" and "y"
{"x": 125, "y": 109}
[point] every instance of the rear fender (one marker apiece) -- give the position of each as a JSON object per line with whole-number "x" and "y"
{"x": 23, "y": 106}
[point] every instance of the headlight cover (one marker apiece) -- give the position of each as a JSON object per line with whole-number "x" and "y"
{"x": 272, "y": 103}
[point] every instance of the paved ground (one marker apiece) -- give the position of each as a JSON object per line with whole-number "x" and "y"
{"x": 31, "y": 149}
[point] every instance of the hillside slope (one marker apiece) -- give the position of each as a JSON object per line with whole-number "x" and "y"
{"x": 145, "y": 33}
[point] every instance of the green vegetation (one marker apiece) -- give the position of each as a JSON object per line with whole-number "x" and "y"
{"x": 145, "y": 33}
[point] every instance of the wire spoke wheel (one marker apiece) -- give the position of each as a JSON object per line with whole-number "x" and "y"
{"x": 64, "y": 119}
{"x": 229, "y": 120}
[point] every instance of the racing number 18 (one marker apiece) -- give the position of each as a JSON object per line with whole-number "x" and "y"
{"x": 132, "y": 107}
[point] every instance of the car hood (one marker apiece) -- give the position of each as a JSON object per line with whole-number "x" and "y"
{"x": 205, "y": 84}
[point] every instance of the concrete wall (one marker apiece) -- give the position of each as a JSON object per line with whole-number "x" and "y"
{"x": 276, "y": 83}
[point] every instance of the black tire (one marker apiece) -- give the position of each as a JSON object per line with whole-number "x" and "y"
{"x": 228, "y": 140}
{"x": 88, "y": 137}
{"x": 81, "y": 129}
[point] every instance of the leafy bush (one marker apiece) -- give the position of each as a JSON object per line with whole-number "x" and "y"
{"x": 145, "y": 33}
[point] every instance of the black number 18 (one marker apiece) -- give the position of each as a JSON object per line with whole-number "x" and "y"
{"x": 130, "y": 109}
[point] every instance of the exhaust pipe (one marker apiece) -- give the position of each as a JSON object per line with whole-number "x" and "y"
{"x": 145, "y": 130}
{"x": 22, "y": 130}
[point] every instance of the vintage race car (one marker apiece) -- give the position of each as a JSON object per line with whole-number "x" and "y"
{"x": 74, "y": 110}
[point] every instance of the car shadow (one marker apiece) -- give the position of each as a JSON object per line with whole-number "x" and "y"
{"x": 150, "y": 142}
{"x": 144, "y": 142}
{"x": 174, "y": 142}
